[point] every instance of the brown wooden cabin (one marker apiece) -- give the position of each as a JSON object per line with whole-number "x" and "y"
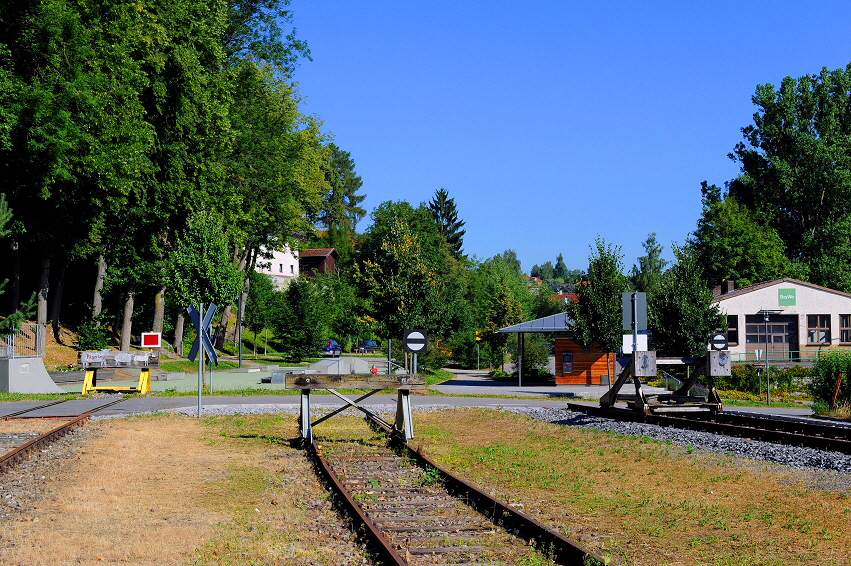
{"x": 578, "y": 365}
{"x": 575, "y": 364}
{"x": 318, "y": 260}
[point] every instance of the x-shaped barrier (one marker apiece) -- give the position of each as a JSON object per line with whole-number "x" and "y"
{"x": 403, "y": 384}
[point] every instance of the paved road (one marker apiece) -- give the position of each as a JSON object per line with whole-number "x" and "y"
{"x": 479, "y": 390}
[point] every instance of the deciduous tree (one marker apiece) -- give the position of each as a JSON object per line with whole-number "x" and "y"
{"x": 681, "y": 314}
{"x": 597, "y": 313}
{"x": 730, "y": 243}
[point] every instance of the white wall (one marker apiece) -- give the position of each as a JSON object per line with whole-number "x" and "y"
{"x": 282, "y": 267}
{"x": 808, "y": 300}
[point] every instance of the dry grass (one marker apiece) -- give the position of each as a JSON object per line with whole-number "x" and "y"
{"x": 62, "y": 355}
{"x": 169, "y": 490}
{"x": 36, "y": 426}
{"x": 644, "y": 502}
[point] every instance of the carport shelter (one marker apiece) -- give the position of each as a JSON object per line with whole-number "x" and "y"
{"x": 575, "y": 364}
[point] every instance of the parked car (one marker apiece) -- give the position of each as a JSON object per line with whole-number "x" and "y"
{"x": 366, "y": 347}
{"x": 332, "y": 349}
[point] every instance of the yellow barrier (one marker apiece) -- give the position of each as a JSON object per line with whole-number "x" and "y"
{"x": 90, "y": 383}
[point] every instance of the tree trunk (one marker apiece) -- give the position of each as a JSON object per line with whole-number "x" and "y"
{"x": 56, "y": 303}
{"x": 159, "y": 310}
{"x": 265, "y": 340}
{"x": 15, "y": 280}
{"x": 44, "y": 289}
{"x": 97, "y": 301}
{"x": 178, "y": 334}
{"x": 127, "y": 319}
{"x": 246, "y": 261}
{"x": 255, "y": 345}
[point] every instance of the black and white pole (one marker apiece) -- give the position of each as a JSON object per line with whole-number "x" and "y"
{"x": 414, "y": 342}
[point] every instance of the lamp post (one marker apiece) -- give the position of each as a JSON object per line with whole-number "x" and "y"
{"x": 766, "y": 314}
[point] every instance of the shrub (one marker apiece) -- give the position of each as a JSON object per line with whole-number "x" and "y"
{"x": 824, "y": 374}
{"x": 91, "y": 333}
{"x": 435, "y": 357}
{"x": 747, "y": 378}
{"x": 536, "y": 356}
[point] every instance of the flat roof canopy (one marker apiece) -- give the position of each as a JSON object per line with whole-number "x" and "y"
{"x": 554, "y": 323}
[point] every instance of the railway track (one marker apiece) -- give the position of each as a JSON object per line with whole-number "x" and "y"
{"x": 414, "y": 512}
{"x": 20, "y": 439}
{"x": 779, "y": 430}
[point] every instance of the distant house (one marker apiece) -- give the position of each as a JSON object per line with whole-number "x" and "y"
{"x": 563, "y": 297}
{"x": 282, "y": 267}
{"x": 318, "y": 260}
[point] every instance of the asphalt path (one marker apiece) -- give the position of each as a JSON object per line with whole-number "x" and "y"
{"x": 470, "y": 388}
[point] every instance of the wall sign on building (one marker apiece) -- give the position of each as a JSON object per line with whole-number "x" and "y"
{"x": 786, "y": 297}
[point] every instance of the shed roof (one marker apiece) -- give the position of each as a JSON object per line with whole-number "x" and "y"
{"x": 554, "y": 323}
{"x": 318, "y": 252}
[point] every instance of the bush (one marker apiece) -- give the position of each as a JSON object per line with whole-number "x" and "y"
{"x": 435, "y": 357}
{"x": 824, "y": 374}
{"x": 747, "y": 378}
{"x": 91, "y": 334}
{"x": 536, "y": 358}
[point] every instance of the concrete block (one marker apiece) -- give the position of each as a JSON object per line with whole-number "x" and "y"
{"x": 25, "y": 375}
{"x": 168, "y": 376}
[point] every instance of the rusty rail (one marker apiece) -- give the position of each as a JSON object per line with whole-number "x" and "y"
{"x": 373, "y": 534}
{"x": 767, "y": 429}
{"x": 14, "y": 456}
{"x": 559, "y": 548}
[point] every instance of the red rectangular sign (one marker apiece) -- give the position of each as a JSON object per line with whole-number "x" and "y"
{"x": 152, "y": 339}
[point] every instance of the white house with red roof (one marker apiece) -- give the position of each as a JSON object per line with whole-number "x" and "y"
{"x": 280, "y": 265}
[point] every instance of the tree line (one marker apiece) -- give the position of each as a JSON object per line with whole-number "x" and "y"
{"x": 153, "y": 153}
{"x": 130, "y": 130}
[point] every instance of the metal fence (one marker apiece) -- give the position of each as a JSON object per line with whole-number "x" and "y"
{"x": 29, "y": 342}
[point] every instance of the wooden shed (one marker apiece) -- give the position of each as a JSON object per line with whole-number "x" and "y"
{"x": 578, "y": 365}
{"x": 575, "y": 364}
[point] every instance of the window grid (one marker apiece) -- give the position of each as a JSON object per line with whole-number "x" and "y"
{"x": 818, "y": 329}
{"x": 732, "y": 329}
{"x": 845, "y": 328}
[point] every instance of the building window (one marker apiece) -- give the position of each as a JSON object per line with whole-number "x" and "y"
{"x": 845, "y": 328}
{"x": 732, "y": 329}
{"x": 292, "y": 270}
{"x": 818, "y": 328}
{"x": 280, "y": 268}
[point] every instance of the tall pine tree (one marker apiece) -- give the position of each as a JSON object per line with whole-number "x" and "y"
{"x": 446, "y": 216}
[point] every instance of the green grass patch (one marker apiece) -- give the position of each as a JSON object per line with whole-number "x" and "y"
{"x": 39, "y": 396}
{"x": 187, "y": 366}
{"x": 438, "y": 376}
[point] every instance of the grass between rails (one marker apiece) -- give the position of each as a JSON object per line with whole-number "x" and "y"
{"x": 645, "y": 502}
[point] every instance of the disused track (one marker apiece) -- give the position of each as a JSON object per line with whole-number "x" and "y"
{"x": 38, "y": 442}
{"x": 779, "y": 430}
{"x": 414, "y": 512}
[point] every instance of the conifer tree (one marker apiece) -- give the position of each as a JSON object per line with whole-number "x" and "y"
{"x": 446, "y": 216}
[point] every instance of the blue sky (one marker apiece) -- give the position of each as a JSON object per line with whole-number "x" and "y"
{"x": 552, "y": 122}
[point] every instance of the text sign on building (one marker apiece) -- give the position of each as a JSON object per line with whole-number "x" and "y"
{"x": 786, "y": 297}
